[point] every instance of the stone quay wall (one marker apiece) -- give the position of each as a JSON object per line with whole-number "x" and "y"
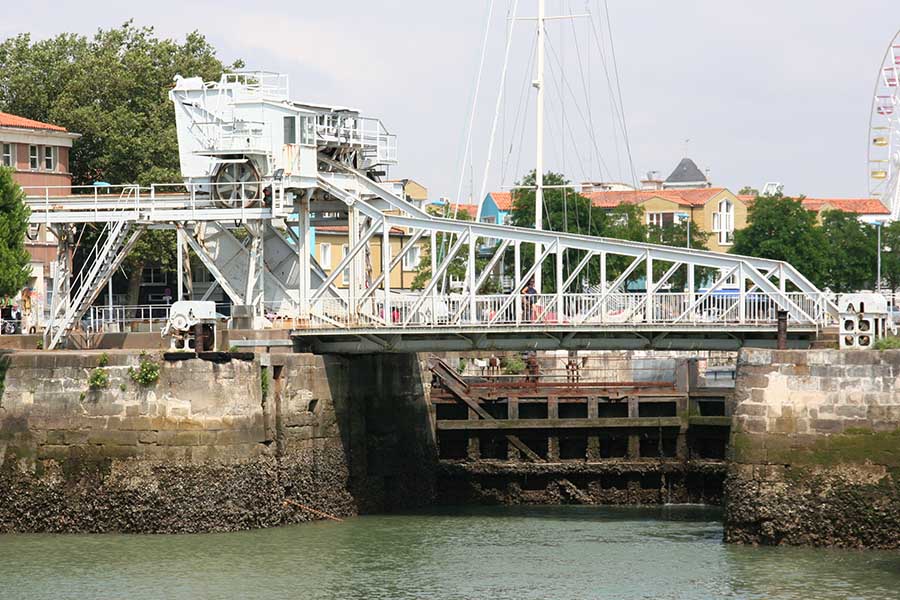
{"x": 815, "y": 449}
{"x": 211, "y": 446}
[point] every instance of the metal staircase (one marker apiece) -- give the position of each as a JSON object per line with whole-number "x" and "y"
{"x": 115, "y": 242}
{"x": 456, "y": 385}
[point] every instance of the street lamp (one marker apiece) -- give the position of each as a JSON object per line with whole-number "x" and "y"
{"x": 878, "y": 270}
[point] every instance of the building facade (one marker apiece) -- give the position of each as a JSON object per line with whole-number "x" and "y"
{"x": 714, "y": 210}
{"x": 38, "y": 153}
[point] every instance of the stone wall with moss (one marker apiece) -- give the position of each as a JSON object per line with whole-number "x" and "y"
{"x": 94, "y": 442}
{"x": 815, "y": 449}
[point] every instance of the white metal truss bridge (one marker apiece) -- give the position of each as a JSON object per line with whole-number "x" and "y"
{"x": 267, "y": 267}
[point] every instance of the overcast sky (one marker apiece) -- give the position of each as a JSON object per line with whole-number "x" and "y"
{"x": 764, "y": 90}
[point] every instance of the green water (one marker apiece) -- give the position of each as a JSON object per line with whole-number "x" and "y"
{"x": 496, "y": 553}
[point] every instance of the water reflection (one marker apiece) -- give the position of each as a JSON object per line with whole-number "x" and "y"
{"x": 497, "y": 553}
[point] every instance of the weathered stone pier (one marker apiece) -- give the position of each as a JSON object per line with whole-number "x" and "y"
{"x": 804, "y": 449}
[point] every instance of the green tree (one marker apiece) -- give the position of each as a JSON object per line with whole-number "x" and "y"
{"x": 780, "y": 228}
{"x": 112, "y": 89}
{"x": 457, "y": 267}
{"x": 565, "y": 210}
{"x": 748, "y": 191}
{"x": 14, "y": 271}
{"x": 676, "y": 235}
{"x": 890, "y": 254}
{"x": 851, "y": 247}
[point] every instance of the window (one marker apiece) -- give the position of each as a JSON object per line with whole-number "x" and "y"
{"x": 325, "y": 256}
{"x": 153, "y": 276}
{"x": 201, "y": 274}
{"x": 307, "y": 132}
{"x": 33, "y": 158}
{"x": 723, "y": 222}
{"x": 412, "y": 258}
{"x": 49, "y": 158}
{"x": 660, "y": 219}
{"x": 345, "y": 276}
{"x": 7, "y": 159}
{"x": 290, "y": 130}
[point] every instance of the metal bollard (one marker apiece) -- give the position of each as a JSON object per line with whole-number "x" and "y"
{"x": 782, "y": 329}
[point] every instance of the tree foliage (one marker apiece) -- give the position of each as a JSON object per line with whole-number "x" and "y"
{"x": 111, "y": 88}
{"x": 568, "y": 211}
{"x": 780, "y": 228}
{"x": 14, "y": 270}
{"x": 851, "y": 248}
{"x": 890, "y": 254}
{"x": 457, "y": 267}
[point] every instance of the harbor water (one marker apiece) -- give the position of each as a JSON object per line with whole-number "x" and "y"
{"x": 494, "y": 553}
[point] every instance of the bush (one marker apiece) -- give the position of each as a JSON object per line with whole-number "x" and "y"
{"x": 512, "y": 365}
{"x": 103, "y": 360}
{"x": 887, "y": 343}
{"x": 147, "y": 373}
{"x": 98, "y": 379}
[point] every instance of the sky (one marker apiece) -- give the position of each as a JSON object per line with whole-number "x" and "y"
{"x": 752, "y": 90}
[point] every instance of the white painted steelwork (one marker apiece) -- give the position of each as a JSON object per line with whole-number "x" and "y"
{"x": 269, "y": 267}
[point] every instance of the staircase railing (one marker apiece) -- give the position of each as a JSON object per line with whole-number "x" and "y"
{"x": 94, "y": 273}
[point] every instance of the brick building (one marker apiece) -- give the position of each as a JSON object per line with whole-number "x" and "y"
{"x": 38, "y": 153}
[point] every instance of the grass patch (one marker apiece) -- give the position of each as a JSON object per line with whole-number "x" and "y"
{"x": 264, "y": 382}
{"x": 892, "y": 342}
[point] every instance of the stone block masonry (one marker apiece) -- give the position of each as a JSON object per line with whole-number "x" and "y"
{"x": 211, "y": 446}
{"x": 815, "y": 449}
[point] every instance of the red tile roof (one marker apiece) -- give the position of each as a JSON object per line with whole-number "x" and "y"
{"x": 682, "y": 197}
{"x": 8, "y": 120}
{"x": 860, "y": 206}
{"x": 503, "y": 200}
{"x": 471, "y": 209}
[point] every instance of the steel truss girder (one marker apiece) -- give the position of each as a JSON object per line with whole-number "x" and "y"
{"x": 467, "y": 339}
{"x": 120, "y": 242}
{"x": 755, "y": 270}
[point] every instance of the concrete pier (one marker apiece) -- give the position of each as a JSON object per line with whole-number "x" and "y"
{"x": 815, "y": 451}
{"x": 211, "y": 445}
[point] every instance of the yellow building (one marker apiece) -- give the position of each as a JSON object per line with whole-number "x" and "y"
{"x": 413, "y": 191}
{"x": 332, "y": 245}
{"x": 714, "y": 210}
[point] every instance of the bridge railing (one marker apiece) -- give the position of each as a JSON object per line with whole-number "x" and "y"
{"x": 493, "y": 310}
{"x": 635, "y": 308}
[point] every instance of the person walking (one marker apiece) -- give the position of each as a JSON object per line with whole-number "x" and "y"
{"x": 529, "y": 299}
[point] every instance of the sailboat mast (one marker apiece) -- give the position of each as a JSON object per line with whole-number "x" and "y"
{"x": 539, "y": 140}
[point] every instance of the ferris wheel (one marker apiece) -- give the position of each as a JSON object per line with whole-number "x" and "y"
{"x": 884, "y": 132}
